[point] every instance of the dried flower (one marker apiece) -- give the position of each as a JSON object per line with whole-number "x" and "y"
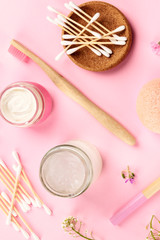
{"x": 73, "y": 226}
{"x": 154, "y": 232}
{"x": 128, "y": 175}
{"x": 156, "y": 47}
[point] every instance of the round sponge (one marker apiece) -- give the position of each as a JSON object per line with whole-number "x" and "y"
{"x": 148, "y": 105}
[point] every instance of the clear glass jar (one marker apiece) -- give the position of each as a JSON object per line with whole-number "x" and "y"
{"x": 67, "y": 170}
{"x": 23, "y": 104}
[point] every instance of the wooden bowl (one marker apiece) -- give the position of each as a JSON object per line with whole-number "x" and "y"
{"x": 111, "y": 18}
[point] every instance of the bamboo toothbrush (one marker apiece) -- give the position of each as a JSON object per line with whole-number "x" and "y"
{"x": 136, "y": 202}
{"x": 105, "y": 119}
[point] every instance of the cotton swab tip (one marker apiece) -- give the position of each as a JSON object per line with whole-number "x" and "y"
{"x": 33, "y": 202}
{"x": 68, "y": 36}
{"x": 47, "y": 210}
{"x": 19, "y": 168}
{"x": 38, "y": 202}
{"x": 106, "y": 54}
{"x": 65, "y": 43}
{"x": 16, "y": 157}
{"x": 14, "y": 213}
{"x": 51, "y": 20}
{"x": 15, "y": 227}
{"x": 60, "y": 22}
{"x": 51, "y": 9}
{"x": 122, "y": 43}
{"x": 72, "y": 50}
{"x": 35, "y": 236}
{"x": 106, "y": 49}
{"x": 119, "y": 29}
{"x": 25, "y": 205}
{"x": 61, "y": 18}
{"x": 68, "y": 7}
{"x": 72, "y": 4}
{"x": 3, "y": 164}
{"x": 26, "y": 199}
{"x": 96, "y": 52}
{"x": 97, "y": 35}
{"x": 59, "y": 55}
{"x": 14, "y": 167}
{"x": 94, "y": 18}
{"x": 25, "y": 234}
{"x": 5, "y": 196}
{"x": 119, "y": 37}
{"x": 8, "y": 220}
{"x": 22, "y": 207}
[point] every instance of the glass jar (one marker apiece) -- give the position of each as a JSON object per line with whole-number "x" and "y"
{"x": 23, "y": 104}
{"x": 67, "y": 170}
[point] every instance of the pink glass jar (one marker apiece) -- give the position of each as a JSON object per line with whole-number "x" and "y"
{"x": 23, "y": 104}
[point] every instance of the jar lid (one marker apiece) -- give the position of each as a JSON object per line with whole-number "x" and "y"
{"x": 66, "y": 171}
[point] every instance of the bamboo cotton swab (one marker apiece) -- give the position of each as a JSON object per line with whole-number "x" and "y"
{"x": 66, "y": 30}
{"x": 69, "y": 43}
{"x": 14, "y": 194}
{"x": 13, "y": 212}
{"x": 70, "y": 7}
{"x": 11, "y": 178}
{"x": 15, "y": 224}
{"x": 83, "y": 30}
{"x": 74, "y": 6}
{"x": 39, "y": 202}
{"x": 119, "y": 29}
{"x": 105, "y": 51}
{"x": 62, "y": 20}
{"x": 68, "y": 36}
{"x": 70, "y": 22}
{"x": 59, "y": 22}
{"x": 97, "y": 35}
{"x": 7, "y": 202}
{"x": 21, "y": 202}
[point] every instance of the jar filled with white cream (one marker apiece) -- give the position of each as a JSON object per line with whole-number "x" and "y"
{"x": 23, "y": 103}
{"x": 68, "y": 170}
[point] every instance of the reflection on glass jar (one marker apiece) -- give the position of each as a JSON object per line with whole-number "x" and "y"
{"x": 68, "y": 170}
{"x": 23, "y": 104}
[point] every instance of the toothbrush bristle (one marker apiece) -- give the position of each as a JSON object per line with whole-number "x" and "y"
{"x": 18, "y": 54}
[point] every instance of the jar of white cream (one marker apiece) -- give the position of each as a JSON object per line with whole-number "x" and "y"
{"x": 68, "y": 170}
{"x": 23, "y": 103}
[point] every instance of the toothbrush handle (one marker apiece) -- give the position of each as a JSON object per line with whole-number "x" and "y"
{"x": 128, "y": 208}
{"x": 105, "y": 119}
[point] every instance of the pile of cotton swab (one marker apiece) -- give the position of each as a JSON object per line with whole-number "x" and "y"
{"x": 83, "y": 36}
{"x": 19, "y": 194}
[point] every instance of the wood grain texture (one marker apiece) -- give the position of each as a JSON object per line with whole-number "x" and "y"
{"x": 65, "y": 86}
{"x": 111, "y": 18}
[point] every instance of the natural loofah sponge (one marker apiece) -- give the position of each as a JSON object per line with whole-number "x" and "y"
{"x": 148, "y": 105}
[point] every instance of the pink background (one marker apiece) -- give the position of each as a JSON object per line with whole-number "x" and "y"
{"x": 115, "y": 91}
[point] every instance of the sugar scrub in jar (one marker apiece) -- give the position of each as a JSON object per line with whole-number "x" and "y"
{"x": 67, "y": 170}
{"x": 23, "y": 104}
